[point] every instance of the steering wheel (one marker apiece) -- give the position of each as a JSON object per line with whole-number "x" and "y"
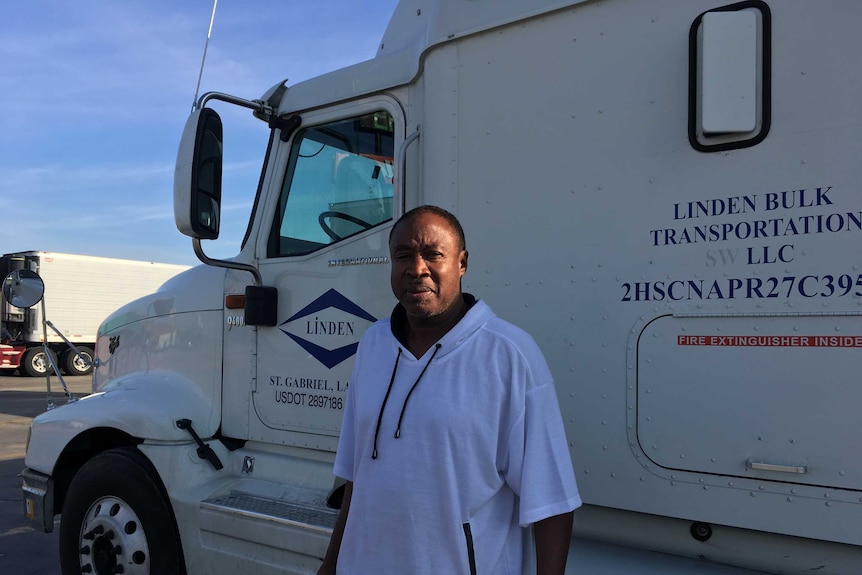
{"x": 321, "y": 219}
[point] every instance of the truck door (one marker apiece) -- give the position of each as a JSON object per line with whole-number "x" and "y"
{"x": 327, "y": 253}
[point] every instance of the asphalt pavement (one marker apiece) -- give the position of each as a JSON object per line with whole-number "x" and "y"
{"x": 23, "y": 550}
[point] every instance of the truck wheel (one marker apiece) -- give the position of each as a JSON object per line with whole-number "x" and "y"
{"x": 116, "y": 520}
{"x": 78, "y": 363}
{"x": 35, "y": 363}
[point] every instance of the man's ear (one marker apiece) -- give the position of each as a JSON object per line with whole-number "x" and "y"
{"x": 464, "y": 255}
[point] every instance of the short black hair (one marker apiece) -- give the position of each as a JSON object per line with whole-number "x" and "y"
{"x": 437, "y": 211}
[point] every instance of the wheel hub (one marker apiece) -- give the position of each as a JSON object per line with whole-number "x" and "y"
{"x": 80, "y": 362}
{"x": 112, "y": 540}
{"x": 40, "y": 363}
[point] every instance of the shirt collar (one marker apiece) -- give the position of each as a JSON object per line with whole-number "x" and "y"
{"x": 398, "y": 318}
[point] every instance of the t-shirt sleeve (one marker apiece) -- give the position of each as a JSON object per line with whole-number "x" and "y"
{"x": 540, "y": 467}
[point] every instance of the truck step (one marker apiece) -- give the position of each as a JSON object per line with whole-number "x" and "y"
{"x": 303, "y": 515}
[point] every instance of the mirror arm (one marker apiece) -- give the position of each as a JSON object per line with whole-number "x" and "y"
{"x": 199, "y": 252}
{"x": 258, "y": 106}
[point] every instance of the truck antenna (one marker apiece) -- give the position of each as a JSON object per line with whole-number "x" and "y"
{"x": 203, "y": 59}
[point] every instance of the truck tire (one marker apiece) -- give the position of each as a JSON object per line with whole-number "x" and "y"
{"x": 35, "y": 363}
{"x": 78, "y": 363}
{"x": 116, "y": 519}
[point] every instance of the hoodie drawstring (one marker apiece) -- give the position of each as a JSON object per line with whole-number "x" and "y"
{"x": 382, "y": 407}
{"x": 415, "y": 383}
{"x": 406, "y": 399}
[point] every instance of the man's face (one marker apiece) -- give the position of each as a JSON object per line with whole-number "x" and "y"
{"x": 427, "y": 265}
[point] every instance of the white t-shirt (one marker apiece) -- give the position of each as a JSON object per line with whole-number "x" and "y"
{"x": 481, "y": 451}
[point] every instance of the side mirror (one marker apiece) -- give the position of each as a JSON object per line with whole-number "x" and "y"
{"x": 197, "y": 176}
{"x": 23, "y": 288}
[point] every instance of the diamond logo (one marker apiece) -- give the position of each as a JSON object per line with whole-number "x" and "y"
{"x": 328, "y": 328}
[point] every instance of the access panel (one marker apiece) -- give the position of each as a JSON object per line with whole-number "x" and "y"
{"x": 769, "y": 397}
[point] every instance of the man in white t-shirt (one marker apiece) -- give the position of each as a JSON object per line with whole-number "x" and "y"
{"x": 452, "y": 441}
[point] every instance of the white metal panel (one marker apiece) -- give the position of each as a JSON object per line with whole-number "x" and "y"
{"x": 416, "y": 26}
{"x": 174, "y": 335}
{"x": 145, "y": 405}
{"x": 239, "y": 361}
{"x": 760, "y": 397}
{"x": 574, "y": 189}
{"x": 729, "y": 71}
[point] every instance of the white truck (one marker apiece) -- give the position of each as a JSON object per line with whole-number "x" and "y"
{"x": 665, "y": 194}
{"x": 80, "y": 292}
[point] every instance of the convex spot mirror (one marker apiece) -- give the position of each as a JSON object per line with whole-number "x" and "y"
{"x": 197, "y": 176}
{"x": 23, "y": 288}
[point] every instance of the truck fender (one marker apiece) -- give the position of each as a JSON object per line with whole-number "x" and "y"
{"x": 144, "y": 405}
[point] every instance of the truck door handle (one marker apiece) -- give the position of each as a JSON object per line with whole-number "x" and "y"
{"x": 762, "y": 466}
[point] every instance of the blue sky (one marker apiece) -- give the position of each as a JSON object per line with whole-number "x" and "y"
{"x": 94, "y": 95}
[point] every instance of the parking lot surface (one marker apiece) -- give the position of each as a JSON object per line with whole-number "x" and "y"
{"x": 24, "y": 551}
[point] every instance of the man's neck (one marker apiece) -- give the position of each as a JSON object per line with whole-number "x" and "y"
{"x": 422, "y": 333}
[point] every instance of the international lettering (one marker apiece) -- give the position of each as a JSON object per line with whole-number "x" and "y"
{"x": 358, "y": 261}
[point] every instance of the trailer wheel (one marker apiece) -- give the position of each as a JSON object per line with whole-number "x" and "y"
{"x": 116, "y": 520}
{"x": 78, "y": 363}
{"x": 35, "y": 363}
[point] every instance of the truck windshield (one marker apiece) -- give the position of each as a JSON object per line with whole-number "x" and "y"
{"x": 338, "y": 184}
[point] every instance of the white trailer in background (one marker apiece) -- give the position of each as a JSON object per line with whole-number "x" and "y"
{"x": 80, "y": 292}
{"x": 665, "y": 194}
